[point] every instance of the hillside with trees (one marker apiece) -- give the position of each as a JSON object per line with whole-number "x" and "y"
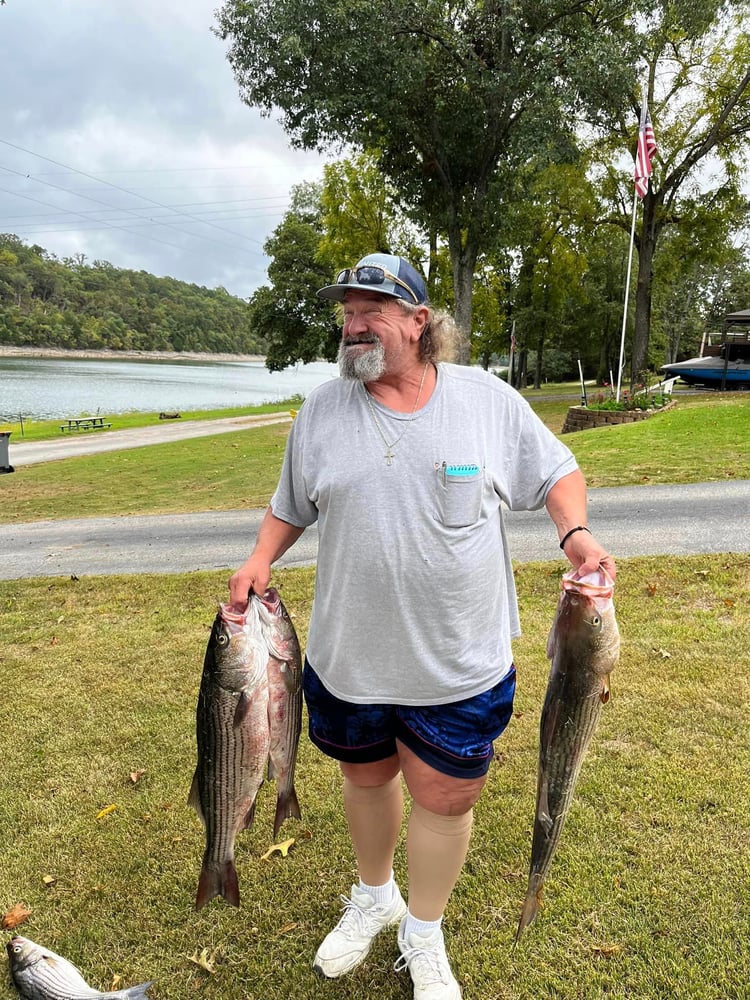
{"x": 47, "y": 302}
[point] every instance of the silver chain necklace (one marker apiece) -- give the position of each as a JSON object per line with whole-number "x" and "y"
{"x": 389, "y": 455}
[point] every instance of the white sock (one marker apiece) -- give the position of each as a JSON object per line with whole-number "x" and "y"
{"x": 422, "y": 927}
{"x": 381, "y": 894}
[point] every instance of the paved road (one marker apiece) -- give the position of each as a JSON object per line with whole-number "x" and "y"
{"x": 630, "y": 521}
{"x": 89, "y": 442}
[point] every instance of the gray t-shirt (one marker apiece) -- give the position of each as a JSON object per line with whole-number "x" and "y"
{"x": 414, "y": 596}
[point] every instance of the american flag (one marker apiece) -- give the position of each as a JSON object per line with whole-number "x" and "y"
{"x": 644, "y": 155}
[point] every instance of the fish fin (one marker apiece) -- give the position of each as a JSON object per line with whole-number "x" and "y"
{"x": 243, "y": 707}
{"x": 271, "y": 774}
{"x": 543, "y": 817}
{"x": 218, "y": 880}
{"x": 138, "y": 992}
{"x": 530, "y": 906}
{"x": 287, "y": 807}
{"x": 194, "y": 797}
{"x": 551, "y": 642}
{"x": 604, "y": 693}
{"x": 249, "y": 816}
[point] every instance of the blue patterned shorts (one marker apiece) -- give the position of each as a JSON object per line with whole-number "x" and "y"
{"x": 455, "y": 739}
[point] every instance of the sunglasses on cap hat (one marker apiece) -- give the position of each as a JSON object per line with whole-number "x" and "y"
{"x": 371, "y": 274}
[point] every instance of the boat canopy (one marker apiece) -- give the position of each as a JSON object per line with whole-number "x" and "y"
{"x": 741, "y": 318}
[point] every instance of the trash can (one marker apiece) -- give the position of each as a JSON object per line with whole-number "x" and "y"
{"x": 5, "y": 465}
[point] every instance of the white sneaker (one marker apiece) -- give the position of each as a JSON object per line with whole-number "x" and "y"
{"x": 350, "y": 940}
{"x": 428, "y": 966}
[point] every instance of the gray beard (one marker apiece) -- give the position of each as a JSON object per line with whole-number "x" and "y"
{"x": 364, "y": 366}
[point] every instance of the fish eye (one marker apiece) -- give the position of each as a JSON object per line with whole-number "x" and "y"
{"x": 17, "y": 949}
{"x": 596, "y": 621}
{"x": 222, "y": 639}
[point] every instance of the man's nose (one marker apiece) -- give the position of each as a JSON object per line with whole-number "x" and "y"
{"x": 355, "y": 324}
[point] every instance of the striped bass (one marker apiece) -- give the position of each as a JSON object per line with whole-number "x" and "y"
{"x": 40, "y": 974}
{"x": 239, "y": 718}
{"x": 584, "y": 646}
{"x": 284, "y": 674}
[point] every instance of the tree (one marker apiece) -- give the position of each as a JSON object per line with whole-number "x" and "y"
{"x": 294, "y": 323}
{"x": 448, "y": 97}
{"x": 698, "y": 93}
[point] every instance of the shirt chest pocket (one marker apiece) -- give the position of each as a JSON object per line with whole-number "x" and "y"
{"x": 459, "y": 494}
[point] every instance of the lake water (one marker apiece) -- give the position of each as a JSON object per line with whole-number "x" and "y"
{"x": 52, "y": 388}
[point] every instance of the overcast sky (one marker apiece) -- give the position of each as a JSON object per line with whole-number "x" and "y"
{"x": 123, "y": 137}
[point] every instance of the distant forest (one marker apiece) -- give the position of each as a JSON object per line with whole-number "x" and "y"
{"x": 46, "y": 302}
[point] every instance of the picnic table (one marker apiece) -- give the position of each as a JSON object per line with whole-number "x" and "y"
{"x": 84, "y": 424}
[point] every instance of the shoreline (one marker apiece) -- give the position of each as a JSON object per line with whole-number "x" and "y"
{"x": 60, "y": 353}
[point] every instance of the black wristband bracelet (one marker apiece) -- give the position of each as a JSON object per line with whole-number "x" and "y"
{"x": 581, "y": 527}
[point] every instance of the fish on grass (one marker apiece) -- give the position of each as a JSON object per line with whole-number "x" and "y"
{"x": 40, "y": 974}
{"x": 248, "y": 718}
{"x": 584, "y": 646}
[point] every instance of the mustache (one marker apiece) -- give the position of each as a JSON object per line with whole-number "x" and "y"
{"x": 361, "y": 339}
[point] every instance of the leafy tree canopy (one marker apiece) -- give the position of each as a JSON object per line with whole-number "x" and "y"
{"x": 442, "y": 93}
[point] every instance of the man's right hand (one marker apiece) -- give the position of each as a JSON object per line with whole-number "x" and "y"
{"x": 254, "y": 575}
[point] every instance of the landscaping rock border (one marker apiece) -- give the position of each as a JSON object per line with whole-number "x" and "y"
{"x": 581, "y": 418}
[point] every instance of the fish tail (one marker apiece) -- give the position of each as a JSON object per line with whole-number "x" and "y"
{"x": 287, "y": 807}
{"x": 218, "y": 880}
{"x": 138, "y": 992}
{"x": 530, "y": 906}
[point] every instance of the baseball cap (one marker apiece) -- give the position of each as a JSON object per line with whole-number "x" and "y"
{"x": 383, "y": 273}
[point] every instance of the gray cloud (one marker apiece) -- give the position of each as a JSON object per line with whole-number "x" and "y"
{"x": 140, "y": 97}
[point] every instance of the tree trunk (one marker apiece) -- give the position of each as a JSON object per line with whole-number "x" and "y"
{"x": 463, "y": 260}
{"x": 646, "y": 248}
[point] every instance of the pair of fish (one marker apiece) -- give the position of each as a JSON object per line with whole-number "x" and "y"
{"x": 40, "y": 974}
{"x": 248, "y": 716}
{"x": 584, "y": 647}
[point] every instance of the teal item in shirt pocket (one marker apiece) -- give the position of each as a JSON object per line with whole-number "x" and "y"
{"x": 461, "y": 470}
{"x": 460, "y": 488}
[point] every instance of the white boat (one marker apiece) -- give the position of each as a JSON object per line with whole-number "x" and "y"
{"x": 722, "y": 365}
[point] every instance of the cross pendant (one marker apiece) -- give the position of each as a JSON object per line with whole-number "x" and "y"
{"x": 389, "y": 456}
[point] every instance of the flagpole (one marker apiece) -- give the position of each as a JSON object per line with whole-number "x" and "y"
{"x": 621, "y": 364}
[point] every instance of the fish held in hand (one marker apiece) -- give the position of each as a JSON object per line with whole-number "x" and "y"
{"x": 284, "y": 674}
{"x": 40, "y": 974}
{"x": 584, "y": 647}
{"x": 249, "y": 716}
{"x": 233, "y": 739}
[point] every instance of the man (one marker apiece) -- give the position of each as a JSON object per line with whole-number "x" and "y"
{"x": 404, "y": 463}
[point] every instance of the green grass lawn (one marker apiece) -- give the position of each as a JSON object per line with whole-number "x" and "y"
{"x": 648, "y": 894}
{"x": 45, "y": 430}
{"x": 704, "y": 437}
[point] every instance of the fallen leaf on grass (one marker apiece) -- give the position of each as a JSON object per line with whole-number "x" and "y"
{"x": 206, "y": 959}
{"x": 135, "y": 776}
{"x": 49, "y": 880}
{"x": 663, "y": 654}
{"x": 651, "y": 589}
{"x": 106, "y": 811}
{"x": 15, "y": 916}
{"x": 54, "y": 641}
{"x": 607, "y": 950}
{"x": 286, "y": 928}
{"x": 282, "y": 848}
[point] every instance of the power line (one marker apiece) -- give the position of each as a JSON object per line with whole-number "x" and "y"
{"x": 124, "y": 229}
{"x": 115, "y": 187}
